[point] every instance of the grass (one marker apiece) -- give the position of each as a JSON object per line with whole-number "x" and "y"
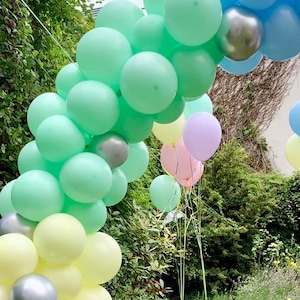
{"x": 268, "y": 284}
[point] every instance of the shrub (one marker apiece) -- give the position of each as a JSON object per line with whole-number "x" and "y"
{"x": 228, "y": 208}
{"x": 147, "y": 248}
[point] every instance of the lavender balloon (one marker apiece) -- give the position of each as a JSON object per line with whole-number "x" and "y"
{"x": 202, "y": 135}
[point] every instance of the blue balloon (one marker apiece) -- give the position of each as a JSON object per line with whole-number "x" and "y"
{"x": 228, "y": 3}
{"x": 257, "y": 4}
{"x": 294, "y": 118}
{"x": 281, "y": 32}
{"x": 241, "y": 67}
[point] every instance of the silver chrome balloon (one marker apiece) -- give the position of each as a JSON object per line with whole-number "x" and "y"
{"x": 33, "y": 287}
{"x": 111, "y": 147}
{"x": 240, "y": 33}
{"x": 15, "y": 223}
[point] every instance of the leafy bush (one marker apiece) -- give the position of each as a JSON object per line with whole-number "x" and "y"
{"x": 229, "y": 207}
{"x": 30, "y": 61}
{"x": 148, "y": 251}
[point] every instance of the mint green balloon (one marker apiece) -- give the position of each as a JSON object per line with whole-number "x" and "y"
{"x": 101, "y": 54}
{"x": 92, "y": 216}
{"x": 132, "y": 125}
{"x": 6, "y": 205}
{"x": 137, "y": 161}
{"x": 148, "y": 82}
{"x": 155, "y": 6}
{"x": 195, "y": 69}
{"x": 120, "y": 15}
{"x": 86, "y": 177}
{"x": 118, "y": 189}
{"x": 150, "y": 34}
{"x": 165, "y": 193}
{"x": 212, "y": 49}
{"x": 172, "y": 112}
{"x": 42, "y": 107}
{"x": 36, "y": 195}
{"x": 193, "y": 22}
{"x": 202, "y": 104}
{"x": 58, "y": 139}
{"x": 93, "y": 106}
{"x": 30, "y": 158}
{"x": 68, "y": 77}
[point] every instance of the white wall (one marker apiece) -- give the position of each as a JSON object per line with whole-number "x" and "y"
{"x": 279, "y": 131}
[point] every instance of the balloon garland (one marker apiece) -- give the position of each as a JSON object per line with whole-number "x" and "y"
{"x": 135, "y": 73}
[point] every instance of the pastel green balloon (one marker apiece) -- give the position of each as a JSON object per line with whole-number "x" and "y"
{"x": 195, "y": 69}
{"x": 155, "y": 6}
{"x": 148, "y": 82}
{"x": 92, "y": 216}
{"x": 137, "y": 161}
{"x": 212, "y": 49}
{"x": 131, "y": 124}
{"x": 86, "y": 177}
{"x": 30, "y": 158}
{"x": 6, "y": 205}
{"x": 42, "y": 107}
{"x": 93, "y": 106}
{"x": 165, "y": 193}
{"x": 68, "y": 77}
{"x": 120, "y": 15}
{"x": 101, "y": 54}
{"x": 172, "y": 112}
{"x": 201, "y": 104}
{"x": 193, "y": 22}
{"x": 58, "y": 139}
{"x": 37, "y": 194}
{"x": 118, "y": 189}
{"x": 150, "y": 34}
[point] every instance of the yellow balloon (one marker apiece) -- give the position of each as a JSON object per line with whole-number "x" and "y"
{"x": 169, "y": 133}
{"x": 292, "y": 151}
{"x": 100, "y": 260}
{"x": 59, "y": 238}
{"x": 67, "y": 279}
{"x": 4, "y": 292}
{"x": 18, "y": 257}
{"x": 92, "y": 292}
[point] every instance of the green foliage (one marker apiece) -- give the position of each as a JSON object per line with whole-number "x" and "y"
{"x": 286, "y": 221}
{"x": 229, "y": 207}
{"x": 30, "y": 61}
{"x": 147, "y": 248}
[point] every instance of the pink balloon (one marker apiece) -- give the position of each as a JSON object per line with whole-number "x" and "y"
{"x": 177, "y": 161}
{"x": 194, "y": 178}
{"x": 202, "y": 135}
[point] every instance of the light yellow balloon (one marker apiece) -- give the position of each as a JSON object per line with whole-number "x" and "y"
{"x": 93, "y": 292}
{"x": 292, "y": 151}
{"x": 100, "y": 260}
{"x": 67, "y": 279}
{"x": 169, "y": 133}
{"x": 4, "y": 292}
{"x": 59, "y": 238}
{"x": 18, "y": 257}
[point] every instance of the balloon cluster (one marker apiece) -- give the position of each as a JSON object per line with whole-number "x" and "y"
{"x": 292, "y": 148}
{"x": 134, "y": 74}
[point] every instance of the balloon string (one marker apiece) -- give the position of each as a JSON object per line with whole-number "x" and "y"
{"x": 45, "y": 28}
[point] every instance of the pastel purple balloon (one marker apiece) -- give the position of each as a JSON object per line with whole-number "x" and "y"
{"x": 202, "y": 135}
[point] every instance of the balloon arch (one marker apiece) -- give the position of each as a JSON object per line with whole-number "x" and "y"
{"x": 135, "y": 73}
